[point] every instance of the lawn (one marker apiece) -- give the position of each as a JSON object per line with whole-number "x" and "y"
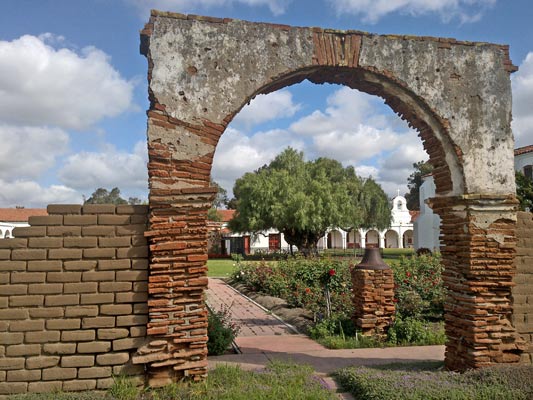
{"x": 220, "y": 268}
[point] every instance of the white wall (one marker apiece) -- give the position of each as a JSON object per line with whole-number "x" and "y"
{"x": 427, "y": 225}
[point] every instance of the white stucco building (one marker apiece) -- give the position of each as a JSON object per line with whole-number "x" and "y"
{"x": 398, "y": 235}
{"x": 523, "y": 160}
{"x": 11, "y": 218}
{"x": 427, "y": 225}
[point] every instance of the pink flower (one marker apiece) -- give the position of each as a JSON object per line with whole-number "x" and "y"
{"x": 331, "y": 272}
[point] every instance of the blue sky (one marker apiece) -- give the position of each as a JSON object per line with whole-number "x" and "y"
{"x": 73, "y": 92}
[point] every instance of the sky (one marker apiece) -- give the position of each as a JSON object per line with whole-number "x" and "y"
{"x": 73, "y": 92}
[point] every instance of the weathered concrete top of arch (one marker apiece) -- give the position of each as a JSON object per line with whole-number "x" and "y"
{"x": 206, "y": 69}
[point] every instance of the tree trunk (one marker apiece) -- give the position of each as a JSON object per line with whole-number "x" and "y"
{"x": 306, "y": 241}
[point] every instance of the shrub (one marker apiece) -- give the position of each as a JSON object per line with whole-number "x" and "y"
{"x": 418, "y": 287}
{"x": 412, "y": 331}
{"x": 402, "y": 382}
{"x": 221, "y": 331}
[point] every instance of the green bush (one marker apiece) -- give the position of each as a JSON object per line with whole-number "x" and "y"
{"x": 401, "y": 382}
{"x": 412, "y": 331}
{"x": 418, "y": 286}
{"x": 221, "y": 331}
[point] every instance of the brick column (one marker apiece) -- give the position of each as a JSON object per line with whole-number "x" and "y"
{"x": 373, "y": 297}
{"x": 478, "y": 234}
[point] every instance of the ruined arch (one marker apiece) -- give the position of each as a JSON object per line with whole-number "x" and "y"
{"x": 203, "y": 70}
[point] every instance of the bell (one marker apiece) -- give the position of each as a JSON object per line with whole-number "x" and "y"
{"x": 372, "y": 260}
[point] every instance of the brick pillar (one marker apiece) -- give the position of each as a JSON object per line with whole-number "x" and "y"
{"x": 478, "y": 235}
{"x": 373, "y": 298}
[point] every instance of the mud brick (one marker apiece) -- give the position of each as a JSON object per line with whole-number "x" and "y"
{"x": 133, "y": 229}
{"x": 132, "y": 275}
{"x": 98, "y": 322}
{"x": 45, "y": 242}
{"x": 63, "y": 324}
{"x": 113, "y": 264}
{"x": 12, "y": 314}
{"x": 64, "y": 254}
{"x": 81, "y": 311}
{"x": 63, "y": 231}
{"x": 29, "y": 325}
{"x": 45, "y": 266}
{"x": 29, "y": 231}
{"x": 80, "y": 265}
{"x": 59, "y": 209}
{"x": 15, "y": 289}
{"x": 42, "y": 362}
{"x": 98, "y": 276}
{"x": 98, "y": 230}
{"x": 47, "y": 312}
{"x": 12, "y": 266}
{"x": 26, "y": 301}
{"x": 97, "y": 298}
{"x": 23, "y": 375}
{"x": 28, "y": 254}
{"x": 132, "y": 320}
{"x": 58, "y": 374}
{"x": 11, "y": 363}
{"x": 42, "y": 337}
{"x": 94, "y": 347}
{"x": 13, "y": 243}
{"x": 131, "y": 297}
{"x": 77, "y": 361}
{"x": 112, "y": 358}
{"x": 80, "y": 242}
{"x": 113, "y": 219}
{"x": 79, "y": 385}
{"x": 133, "y": 252}
{"x": 45, "y": 387}
{"x": 113, "y": 333}
{"x": 83, "y": 335}
{"x": 63, "y": 277}
{"x": 99, "y": 253}
{"x": 62, "y": 300}
{"x": 132, "y": 209}
{"x": 115, "y": 286}
{"x": 13, "y": 387}
{"x": 84, "y": 287}
{"x": 80, "y": 220}
{"x": 128, "y": 343}
{"x": 59, "y": 348}
{"x": 23, "y": 350}
{"x": 99, "y": 209}
{"x": 45, "y": 288}
{"x": 28, "y": 277}
{"x": 139, "y": 264}
{"x": 116, "y": 309}
{"x": 95, "y": 372}
{"x": 44, "y": 220}
{"x": 122, "y": 241}
{"x": 11, "y": 338}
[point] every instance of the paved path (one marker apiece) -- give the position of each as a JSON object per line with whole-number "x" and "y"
{"x": 264, "y": 338}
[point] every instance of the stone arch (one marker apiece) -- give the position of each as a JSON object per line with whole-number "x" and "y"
{"x": 335, "y": 239}
{"x": 457, "y": 95}
{"x": 392, "y": 239}
{"x": 407, "y": 239}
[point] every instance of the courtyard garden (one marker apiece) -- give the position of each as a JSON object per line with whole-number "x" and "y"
{"x": 323, "y": 288}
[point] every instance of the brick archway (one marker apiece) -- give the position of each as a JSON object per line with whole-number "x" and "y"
{"x": 203, "y": 70}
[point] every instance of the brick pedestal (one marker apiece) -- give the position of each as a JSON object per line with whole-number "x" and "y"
{"x": 373, "y": 300}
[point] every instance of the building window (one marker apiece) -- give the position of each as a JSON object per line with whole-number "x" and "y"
{"x": 528, "y": 172}
{"x": 274, "y": 241}
{"x": 399, "y": 205}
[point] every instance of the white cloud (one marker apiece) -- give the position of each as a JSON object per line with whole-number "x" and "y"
{"x": 237, "y": 153}
{"x": 110, "y": 168}
{"x": 266, "y": 107}
{"x": 41, "y": 85}
{"x": 522, "y": 83}
{"x": 276, "y": 7}
{"x": 372, "y": 10}
{"x": 31, "y": 194}
{"x": 27, "y": 152}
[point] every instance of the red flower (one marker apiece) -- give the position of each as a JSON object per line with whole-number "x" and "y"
{"x": 307, "y": 290}
{"x": 408, "y": 274}
{"x": 395, "y": 300}
{"x": 331, "y": 272}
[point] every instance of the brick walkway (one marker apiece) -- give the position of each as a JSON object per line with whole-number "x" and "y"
{"x": 253, "y": 319}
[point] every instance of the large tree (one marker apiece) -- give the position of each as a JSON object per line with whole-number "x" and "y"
{"x": 103, "y": 196}
{"x": 303, "y": 199}
{"x": 414, "y": 182}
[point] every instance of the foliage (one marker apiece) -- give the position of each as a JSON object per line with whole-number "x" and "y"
{"x": 301, "y": 282}
{"x": 418, "y": 286}
{"x": 103, "y": 196}
{"x": 221, "y": 199}
{"x": 217, "y": 268}
{"x": 524, "y": 191}
{"x": 221, "y": 331}
{"x": 416, "y": 332}
{"x": 302, "y": 199}
{"x": 414, "y": 182}
{"x": 124, "y": 388}
{"x": 431, "y": 383}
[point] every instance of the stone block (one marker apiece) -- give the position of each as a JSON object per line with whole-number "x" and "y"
{"x": 94, "y": 372}
{"x": 83, "y": 287}
{"x": 45, "y": 387}
{"x": 59, "y": 348}
{"x": 80, "y": 265}
{"x": 97, "y": 298}
{"x": 28, "y": 277}
{"x": 42, "y": 362}
{"x": 98, "y": 322}
{"x": 59, "y": 374}
{"x": 42, "y": 337}
{"x": 81, "y": 242}
{"x": 77, "y": 361}
{"x": 113, "y": 358}
{"x": 45, "y": 242}
{"x": 26, "y": 301}
{"x": 61, "y": 300}
{"x": 81, "y": 311}
{"x": 23, "y": 350}
{"x": 24, "y": 326}
{"x": 79, "y": 385}
{"x": 113, "y": 264}
{"x": 83, "y": 335}
{"x": 63, "y": 324}
{"x": 63, "y": 231}
{"x": 94, "y": 347}
{"x": 12, "y": 387}
{"x": 23, "y": 375}
{"x": 45, "y": 265}
{"x": 61, "y": 209}
{"x": 28, "y": 254}
{"x": 65, "y": 254}
{"x": 45, "y": 288}
{"x": 9, "y": 363}
{"x": 80, "y": 220}
{"x": 45, "y": 220}
{"x": 112, "y": 333}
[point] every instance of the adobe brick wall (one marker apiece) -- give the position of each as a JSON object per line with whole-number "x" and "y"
{"x": 73, "y": 298}
{"x": 523, "y": 291}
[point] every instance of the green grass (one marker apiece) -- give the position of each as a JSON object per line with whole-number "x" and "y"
{"x": 429, "y": 381}
{"x": 277, "y": 381}
{"x": 220, "y": 268}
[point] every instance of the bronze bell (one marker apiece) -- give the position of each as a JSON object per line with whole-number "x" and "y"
{"x": 372, "y": 260}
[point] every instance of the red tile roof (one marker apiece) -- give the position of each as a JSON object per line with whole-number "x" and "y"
{"x": 226, "y": 215}
{"x": 523, "y": 150}
{"x": 414, "y": 215}
{"x": 20, "y": 214}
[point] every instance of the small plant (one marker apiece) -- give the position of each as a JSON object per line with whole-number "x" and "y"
{"x": 124, "y": 388}
{"x": 412, "y": 331}
{"x": 221, "y": 331}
